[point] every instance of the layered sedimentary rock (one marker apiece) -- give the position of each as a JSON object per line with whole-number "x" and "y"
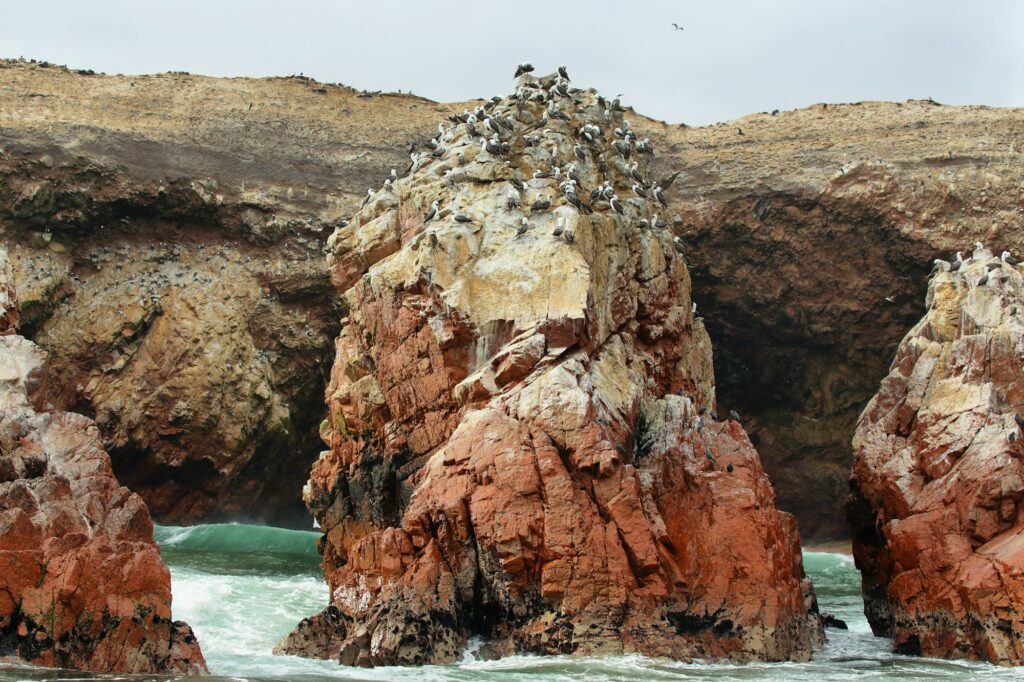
{"x": 82, "y": 584}
{"x": 938, "y": 477}
{"x": 168, "y": 235}
{"x": 521, "y": 430}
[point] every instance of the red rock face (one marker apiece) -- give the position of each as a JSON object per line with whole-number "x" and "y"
{"x": 514, "y": 444}
{"x": 938, "y": 478}
{"x": 82, "y": 584}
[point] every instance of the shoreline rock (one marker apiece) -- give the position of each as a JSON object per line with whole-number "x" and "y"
{"x": 82, "y": 584}
{"x": 521, "y": 430}
{"x": 938, "y": 479}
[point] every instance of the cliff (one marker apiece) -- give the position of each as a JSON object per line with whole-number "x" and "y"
{"x": 797, "y": 227}
{"x": 938, "y": 478}
{"x": 521, "y": 430}
{"x": 82, "y": 584}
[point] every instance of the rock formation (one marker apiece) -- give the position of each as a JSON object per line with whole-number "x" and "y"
{"x": 938, "y": 477}
{"x": 522, "y": 435}
{"x": 796, "y": 231}
{"x": 82, "y": 584}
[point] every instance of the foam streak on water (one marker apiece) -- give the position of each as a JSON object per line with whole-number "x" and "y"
{"x": 243, "y": 587}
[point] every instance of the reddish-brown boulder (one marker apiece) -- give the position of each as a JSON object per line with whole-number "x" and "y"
{"x": 938, "y": 478}
{"x": 521, "y": 437}
{"x": 82, "y": 584}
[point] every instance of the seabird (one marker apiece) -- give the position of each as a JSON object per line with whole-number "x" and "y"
{"x": 394, "y": 175}
{"x": 541, "y": 175}
{"x": 616, "y": 205}
{"x": 729, "y": 467}
{"x": 431, "y": 213}
{"x": 660, "y": 196}
{"x": 524, "y": 225}
{"x": 940, "y": 264}
{"x": 433, "y": 239}
{"x": 579, "y": 152}
{"x": 623, "y": 148}
{"x": 563, "y": 72}
{"x": 644, "y": 223}
{"x": 523, "y": 68}
{"x": 1008, "y": 259}
{"x": 542, "y": 203}
{"x": 957, "y": 263}
{"x": 665, "y": 183}
{"x": 984, "y": 278}
{"x": 634, "y": 172}
{"x": 734, "y": 414}
{"x": 570, "y": 236}
{"x": 558, "y": 230}
{"x": 369, "y": 195}
{"x": 677, "y": 26}
{"x": 462, "y": 218}
{"x": 978, "y": 247}
{"x": 518, "y": 184}
{"x": 890, "y": 299}
{"x": 639, "y": 191}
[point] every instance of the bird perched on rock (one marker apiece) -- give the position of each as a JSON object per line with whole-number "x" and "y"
{"x": 524, "y": 225}
{"x": 735, "y": 415}
{"x": 563, "y": 72}
{"x": 616, "y": 205}
{"x": 462, "y": 218}
{"x": 558, "y": 230}
{"x": 1008, "y": 259}
{"x": 958, "y": 263}
{"x": 570, "y": 237}
{"x": 541, "y": 203}
{"x": 523, "y": 68}
{"x": 639, "y": 191}
{"x": 431, "y": 213}
{"x": 984, "y": 278}
{"x": 729, "y": 467}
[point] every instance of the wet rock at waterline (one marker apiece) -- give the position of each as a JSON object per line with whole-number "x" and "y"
{"x": 82, "y": 584}
{"x": 938, "y": 478}
{"x": 521, "y": 437}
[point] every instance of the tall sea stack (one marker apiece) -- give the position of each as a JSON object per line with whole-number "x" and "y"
{"x": 522, "y": 436}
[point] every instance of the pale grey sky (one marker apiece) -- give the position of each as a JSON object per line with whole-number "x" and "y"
{"x": 735, "y": 56}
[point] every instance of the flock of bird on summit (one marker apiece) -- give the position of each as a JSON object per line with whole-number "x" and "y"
{"x": 542, "y": 111}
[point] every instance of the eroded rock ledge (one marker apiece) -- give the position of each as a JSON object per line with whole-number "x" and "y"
{"x": 516, "y": 443}
{"x": 938, "y": 476}
{"x": 82, "y": 584}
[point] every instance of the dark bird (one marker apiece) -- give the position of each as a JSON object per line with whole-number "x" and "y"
{"x": 616, "y": 205}
{"x": 517, "y": 183}
{"x": 570, "y": 237}
{"x": 523, "y": 68}
{"x": 677, "y": 26}
{"x": 563, "y": 72}
{"x": 729, "y": 467}
{"x": 433, "y": 239}
{"x": 542, "y": 203}
{"x": 956, "y": 264}
{"x": 660, "y": 196}
{"x": 734, "y": 414}
{"x": 984, "y": 278}
{"x": 558, "y": 230}
{"x": 665, "y": 183}
{"x": 524, "y": 225}
{"x": 579, "y": 152}
{"x": 462, "y": 218}
{"x": 1012, "y": 437}
{"x": 1008, "y": 259}
{"x": 639, "y": 191}
{"x": 739, "y": 130}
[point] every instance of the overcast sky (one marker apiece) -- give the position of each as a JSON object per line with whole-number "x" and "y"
{"x": 734, "y": 57}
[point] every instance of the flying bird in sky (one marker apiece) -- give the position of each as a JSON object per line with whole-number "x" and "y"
{"x": 677, "y": 26}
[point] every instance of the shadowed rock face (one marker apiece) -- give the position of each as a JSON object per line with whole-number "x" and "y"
{"x": 82, "y": 584}
{"x": 515, "y": 450}
{"x": 938, "y": 479}
{"x": 798, "y": 229}
{"x": 169, "y": 247}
